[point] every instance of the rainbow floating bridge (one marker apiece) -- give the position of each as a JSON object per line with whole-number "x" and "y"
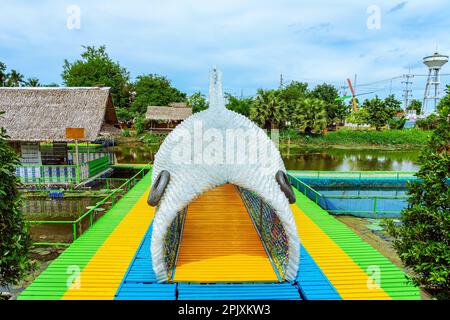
{"x": 219, "y": 231}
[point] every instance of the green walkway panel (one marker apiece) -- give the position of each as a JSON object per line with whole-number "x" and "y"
{"x": 54, "y": 281}
{"x": 392, "y": 279}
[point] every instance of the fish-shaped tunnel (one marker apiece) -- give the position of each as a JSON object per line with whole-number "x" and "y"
{"x": 213, "y": 148}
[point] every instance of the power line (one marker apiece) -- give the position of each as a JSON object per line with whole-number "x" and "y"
{"x": 407, "y": 91}
{"x": 378, "y": 81}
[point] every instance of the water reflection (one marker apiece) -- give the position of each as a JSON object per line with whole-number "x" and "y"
{"x": 53, "y": 209}
{"x": 135, "y": 153}
{"x": 349, "y": 159}
{"x": 304, "y": 158}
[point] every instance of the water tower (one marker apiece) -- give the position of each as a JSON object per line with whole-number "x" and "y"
{"x": 434, "y": 64}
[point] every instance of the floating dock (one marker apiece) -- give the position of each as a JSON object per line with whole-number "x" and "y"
{"x": 220, "y": 257}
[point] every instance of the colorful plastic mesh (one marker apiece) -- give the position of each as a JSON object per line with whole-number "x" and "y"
{"x": 172, "y": 241}
{"x": 270, "y": 228}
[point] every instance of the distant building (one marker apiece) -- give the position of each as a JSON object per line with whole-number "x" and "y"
{"x": 41, "y": 115}
{"x": 165, "y": 118}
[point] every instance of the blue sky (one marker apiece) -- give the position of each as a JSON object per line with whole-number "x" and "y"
{"x": 252, "y": 42}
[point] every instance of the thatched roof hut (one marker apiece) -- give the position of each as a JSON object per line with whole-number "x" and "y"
{"x": 174, "y": 112}
{"x": 43, "y": 114}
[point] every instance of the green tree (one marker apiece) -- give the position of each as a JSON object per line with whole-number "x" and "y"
{"x": 310, "y": 115}
{"x": 14, "y": 243}
{"x": 54, "y": 85}
{"x": 197, "y": 102}
{"x": 268, "y": 109}
{"x": 293, "y": 92}
{"x": 239, "y": 105}
{"x": 124, "y": 114}
{"x": 379, "y": 112}
{"x": 393, "y": 104}
{"x": 360, "y": 117}
{"x": 3, "y": 75}
{"x": 154, "y": 90}
{"x": 14, "y": 79}
{"x": 415, "y": 105}
{"x": 32, "y": 82}
{"x": 336, "y": 110}
{"x": 423, "y": 237}
{"x": 96, "y": 68}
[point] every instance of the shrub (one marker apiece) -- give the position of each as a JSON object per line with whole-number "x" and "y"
{"x": 139, "y": 124}
{"x": 126, "y": 133}
{"x": 359, "y": 117}
{"x": 289, "y": 133}
{"x": 428, "y": 123}
{"x": 14, "y": 242}
{"x": 372, "y": 137}
{"x": 153, "y": 139}
{"x": 397, "y": 123}
{"x": 423, "y": 237}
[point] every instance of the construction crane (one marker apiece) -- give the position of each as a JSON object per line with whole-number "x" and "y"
{"x": 353, "y": 96}
{"x": 355, "y": 107}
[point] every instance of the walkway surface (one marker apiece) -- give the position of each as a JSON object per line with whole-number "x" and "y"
{"x": 354, "y": 268}
{"x": 94, "y": 265}
{"x": 220, "y": 242}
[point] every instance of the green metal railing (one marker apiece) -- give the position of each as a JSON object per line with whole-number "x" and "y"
{"x": 44, "y": 178}
{"x": 68, "y": 177}
{"x": 353, "y": 174}
{"x": 303, "y": 187}
{"x": 98, "y": 165}
{"x": 113, "y": 196}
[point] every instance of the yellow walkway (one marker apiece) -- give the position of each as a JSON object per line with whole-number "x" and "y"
{"x": 103, "y": 274}
{"x": 220, "y": 243}
{"x": 345, "y": 275}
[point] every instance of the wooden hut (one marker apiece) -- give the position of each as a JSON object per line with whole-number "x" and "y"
{"x": 165, "y": 118}
{"x": 35, "y": 115}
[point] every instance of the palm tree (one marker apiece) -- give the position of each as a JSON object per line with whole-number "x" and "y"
{"x": 15, "y": 79}
{"x": 33, "y": 82}
{"x": 310, "y": 115}
{"x": 268, "y": 109}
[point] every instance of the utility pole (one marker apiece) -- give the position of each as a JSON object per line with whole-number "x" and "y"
{"x": 343, "y": 91}
{"x": 407, "y": 92}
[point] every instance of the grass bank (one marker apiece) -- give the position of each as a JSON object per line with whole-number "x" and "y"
{"x": 364, "y": 139}
{"x": 410, "y": 138}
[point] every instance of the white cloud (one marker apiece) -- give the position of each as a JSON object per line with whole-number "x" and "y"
{"x": 252, "y": 41}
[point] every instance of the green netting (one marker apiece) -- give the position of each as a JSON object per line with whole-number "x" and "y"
{"x": 374, "y": 206}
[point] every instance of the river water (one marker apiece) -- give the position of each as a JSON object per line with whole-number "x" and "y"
{"x": 331, "y": 159}
{"x": 301, "y": 158}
